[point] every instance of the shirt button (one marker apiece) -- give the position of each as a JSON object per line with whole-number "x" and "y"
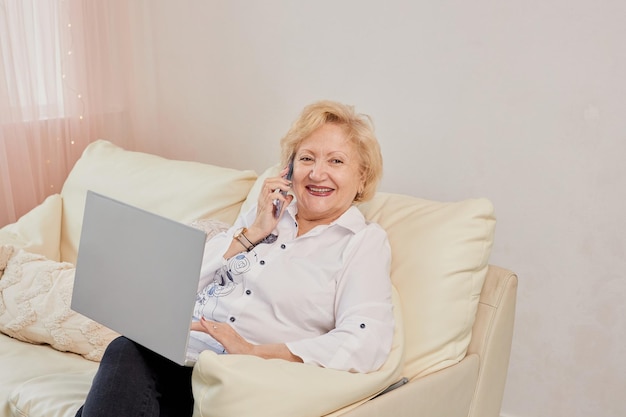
{"x": 362, "y": 326}
{"x": 248, "y": 292}
{"x": 283, "y": 246}
{"x": 232, "y": 319}
{"x": 262, "y": 262}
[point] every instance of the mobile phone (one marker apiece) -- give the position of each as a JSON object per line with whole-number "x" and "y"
{"x": 278, "y": 204}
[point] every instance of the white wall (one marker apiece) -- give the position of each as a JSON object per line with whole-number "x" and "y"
{"x": 521, "y": 101}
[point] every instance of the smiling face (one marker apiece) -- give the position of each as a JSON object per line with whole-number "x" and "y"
{"x": 326, "y": 176}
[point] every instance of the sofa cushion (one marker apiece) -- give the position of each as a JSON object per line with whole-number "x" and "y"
{"x": 180, "y": 190}
{"x": 440, "y": 252}
{"x": 21, "y": 362}
{"x": 51, "y": 395}
{"x": 35, "y": 298}
{"x": 440, "y": 256}
{"x": 39, "y": 230}
{"x": 245, "y": 385}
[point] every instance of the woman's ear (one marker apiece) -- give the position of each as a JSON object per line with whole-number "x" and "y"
{"x": 359, "y": 191}
{"x": 362, "y": 183}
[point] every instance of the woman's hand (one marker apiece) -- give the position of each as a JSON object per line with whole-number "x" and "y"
{"x": 225, "y": 334}
{"x": 265, "y": 221}
{"x": 234, "y": 343}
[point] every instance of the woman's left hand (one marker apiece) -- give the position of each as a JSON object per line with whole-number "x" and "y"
{"x": 234, "y": 343}
{"x": 225, "y": 334}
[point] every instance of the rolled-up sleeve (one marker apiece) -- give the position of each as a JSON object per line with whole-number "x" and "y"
{"x": 364, "y": 325}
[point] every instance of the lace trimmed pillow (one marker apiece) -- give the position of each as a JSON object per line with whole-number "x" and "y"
{"x": 210, "y": 226}
{"x": 35, "y": 297}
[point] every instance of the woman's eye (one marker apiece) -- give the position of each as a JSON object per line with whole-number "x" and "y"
{"x": 336, "y": 161}
{"x": 306, "y": 158}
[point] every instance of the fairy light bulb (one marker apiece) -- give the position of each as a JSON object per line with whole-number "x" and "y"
{"x": 69, "y": 83}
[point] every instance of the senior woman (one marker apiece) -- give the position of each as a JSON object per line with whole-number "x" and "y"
{"x": 301, "y": 277}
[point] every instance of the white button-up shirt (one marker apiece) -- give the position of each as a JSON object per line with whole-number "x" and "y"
{"x": 326, "y": 294}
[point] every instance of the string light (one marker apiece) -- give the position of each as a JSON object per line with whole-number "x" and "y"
{"x": 70, "y": 52}
{"x": 69, "y": 82}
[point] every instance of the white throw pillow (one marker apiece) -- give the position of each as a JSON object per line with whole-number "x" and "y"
{"x": 179, "y": 190}
{"x": 39, "y": 230}
{"x": 440, "y": 254}
{"x": 35, "y": 299}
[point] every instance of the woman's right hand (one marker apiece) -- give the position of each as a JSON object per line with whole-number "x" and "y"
{"x": 265, "y": 221}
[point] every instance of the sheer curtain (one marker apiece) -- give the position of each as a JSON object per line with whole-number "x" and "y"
{"x": 63, "y": 66}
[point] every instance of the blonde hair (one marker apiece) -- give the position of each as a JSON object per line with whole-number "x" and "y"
{"x": 359, "y": 130}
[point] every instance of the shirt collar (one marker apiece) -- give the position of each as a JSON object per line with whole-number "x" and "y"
{"x": 352, "y": 219}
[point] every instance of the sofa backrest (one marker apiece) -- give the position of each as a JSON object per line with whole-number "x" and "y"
{"x": 440, "y": 250}
{"x": 180, "y": 190}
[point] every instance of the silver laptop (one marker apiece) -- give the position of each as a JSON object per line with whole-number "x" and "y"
{"x": 137, "y": 273}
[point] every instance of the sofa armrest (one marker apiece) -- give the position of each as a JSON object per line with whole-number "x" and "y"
{"x": 445, "y": 393}
{"x": 491, "y": 340}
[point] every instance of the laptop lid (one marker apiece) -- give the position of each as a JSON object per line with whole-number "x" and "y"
{"x": 137, "y": 273}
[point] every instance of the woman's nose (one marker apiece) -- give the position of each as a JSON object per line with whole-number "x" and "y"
{"x": 317, "y": 171}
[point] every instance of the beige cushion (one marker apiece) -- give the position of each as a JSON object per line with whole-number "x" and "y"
{"x": 35, "y": 298}
{"x": 37, "y": 231}
{"x": 180, "y": 190}
{"x": 52, "y": 395}
{"x": 20, "y": 362}
{"x": 440, "y": 253}
{"x": 244, "y": 385}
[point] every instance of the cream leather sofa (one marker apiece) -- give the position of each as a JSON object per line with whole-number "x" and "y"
{"x": 454, "y": 311}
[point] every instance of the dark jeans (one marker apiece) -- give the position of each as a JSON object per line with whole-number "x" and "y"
{"x": 133, "y": 381}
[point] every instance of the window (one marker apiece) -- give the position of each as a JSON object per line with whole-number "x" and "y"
{"x": 31, "y": 60}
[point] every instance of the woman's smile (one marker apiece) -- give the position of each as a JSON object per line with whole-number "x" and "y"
{"x": 319, "y": 191}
